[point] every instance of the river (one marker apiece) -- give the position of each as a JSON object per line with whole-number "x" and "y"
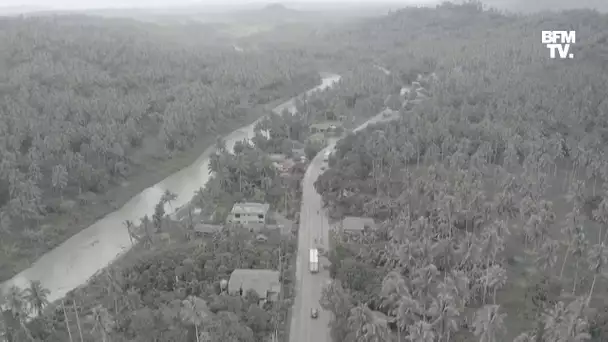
{"x": 75, "y": 261}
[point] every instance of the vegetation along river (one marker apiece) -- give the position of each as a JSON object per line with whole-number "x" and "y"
{"x": 76, "y": 260}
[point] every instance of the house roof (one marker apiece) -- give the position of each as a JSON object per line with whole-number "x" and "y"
{"x": 250, "y": 207}
{"x": 207, "y": 228}
{"x": 317, "y": 136}
{"x": 260, "y": 281}
{"x": 327, "y": 124}
{"x": 354, "y": 223}
{"x": 277, "y": 157}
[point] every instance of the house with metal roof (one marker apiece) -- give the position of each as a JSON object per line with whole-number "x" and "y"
{"x": 325, "y": 127}
{"x": 355, "y": 225}
{"x": 265, "y": 283}
{"x": 207, "y": 229}
{"x": 248, "y": 213}
{"x": 317, "y": 138}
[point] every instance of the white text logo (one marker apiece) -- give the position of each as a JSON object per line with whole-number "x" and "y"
{"x": 559, "y": 41}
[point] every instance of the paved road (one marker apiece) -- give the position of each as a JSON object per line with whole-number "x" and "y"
{"x": 314, "y": 225}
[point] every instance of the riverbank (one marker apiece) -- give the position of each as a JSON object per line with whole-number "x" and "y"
{"x": 20, "y": 253}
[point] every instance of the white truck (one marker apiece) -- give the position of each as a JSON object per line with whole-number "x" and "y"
{"x": 314, "y": 260}
{"x": 326, "y": 156}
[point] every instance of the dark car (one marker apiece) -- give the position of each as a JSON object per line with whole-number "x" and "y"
{"x": 314, "y": 313}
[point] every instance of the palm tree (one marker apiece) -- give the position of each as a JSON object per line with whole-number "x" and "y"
{"x": 194, "y": 311}
{"x": 365, "y": 327}
{"x": 200, "y": 199}
{"x": 145, "y": 221}
{"x": 567, "y": 323}
{"x": 525, "y": 337}
{"x": 488, "y": 323}
{"x": 129, "y": 225}
{"x": 420, "y": 331}
{"x": 424, "y": 278}
{"x": 36, "y": 296}
{"x": 168, "y": 197}
{"x": 103, "y": 322}
{"x": 15, "y": 302}
{"x": 398, "y": 300}
{"x": 572, "y": 230}
{"x": 547, "y": 257}
{"x": 445, "y": 311}
{"x": 17, "y": 305}
{"x": 597, "y": 257}
{"x": 59, "y": 178}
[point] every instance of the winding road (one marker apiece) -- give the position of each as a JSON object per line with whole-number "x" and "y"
{"x": 314, "y": 224}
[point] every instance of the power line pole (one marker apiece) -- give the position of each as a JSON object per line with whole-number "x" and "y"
{"x": 280, "y": 273}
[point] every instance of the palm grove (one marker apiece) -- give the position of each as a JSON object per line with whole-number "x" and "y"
{"x": 490, "y": 192}
{"x": 89, "y": 103}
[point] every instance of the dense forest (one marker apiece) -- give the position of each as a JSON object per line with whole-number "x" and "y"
{"x": 165, "y": 291}
{"x": 171, "y": 285}
{"x": 93, "y": 110}
{"x": 490, "y": 194}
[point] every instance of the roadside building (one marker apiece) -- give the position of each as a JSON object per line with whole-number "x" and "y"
{"x": 285, "y": 167}
{"x": 356, "y": 225}
{"x": 298, "y": 153}
{"x": 205, "y": 229}
{"x": 325, "y": 127}
{"x": 248, "y": 213}
{"x": 277, "y": 157}
{"x": 265, "y": 283}
{"x": 318, "y": 138}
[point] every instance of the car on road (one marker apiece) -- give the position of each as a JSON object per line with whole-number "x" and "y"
{"x": 314, "y": 313}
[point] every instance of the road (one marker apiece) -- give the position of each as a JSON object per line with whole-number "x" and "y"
{"x": 314, "y": 225}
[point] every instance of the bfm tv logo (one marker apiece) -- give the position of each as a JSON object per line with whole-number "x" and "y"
{"x": 559, "y": 41}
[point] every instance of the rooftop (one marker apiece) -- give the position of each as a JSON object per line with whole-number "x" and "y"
{"x": 250, "y": 207}
{"x": 317, "y": 136}
{"x": 354, "y": 223}
{"x": 277, "y": 157}
{"x": 207, "y": 228}
{"x": 260, "y": 281}
{"x": 327, "y": 124}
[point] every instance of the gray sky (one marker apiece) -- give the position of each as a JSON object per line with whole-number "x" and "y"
{"x": 88, "y": 4}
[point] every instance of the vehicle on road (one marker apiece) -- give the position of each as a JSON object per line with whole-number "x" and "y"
{"x": 314, "y": 313}
{"x": 326, "y": 156}
{"x": 314, "y": 260}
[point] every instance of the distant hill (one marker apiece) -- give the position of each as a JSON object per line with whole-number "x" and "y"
{"x": 526, "y": 6}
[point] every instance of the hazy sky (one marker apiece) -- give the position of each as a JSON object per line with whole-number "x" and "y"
{"x": 82, "y": 4}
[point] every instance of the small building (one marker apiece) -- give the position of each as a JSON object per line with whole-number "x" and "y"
{"x": 357, "y": 225}
{"x": 325, "y": 127}
{"x": 277, "y": 157}
{"x": 261, "y": 238}
{"x": 206, "y": 229}
{"x": 248, "y": 213}
{"x": 263, "y": 282}
{"x": 285, "y": 167}
{"x": 317, "y": 138}
{"x": 298, "y": 153}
